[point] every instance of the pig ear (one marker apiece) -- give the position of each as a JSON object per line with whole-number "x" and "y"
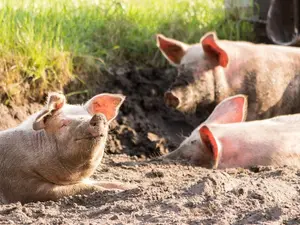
{"x": 55, "y": 101}
{"x": 230, "y": 110}
{"x": 212, "y": 49}
{"x": 107, "y": 104}
{"x": 172, "y": 49}
{"x": 211, "y": 145}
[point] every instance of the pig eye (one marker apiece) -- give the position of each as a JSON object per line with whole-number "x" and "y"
{"x": 193, "y": 142}
{"x": 64, "y": 123}
{"x": 47, "y": 118}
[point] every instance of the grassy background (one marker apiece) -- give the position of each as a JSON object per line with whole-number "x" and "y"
{"x": 44, "y": 44}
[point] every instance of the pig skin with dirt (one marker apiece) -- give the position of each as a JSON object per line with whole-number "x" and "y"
{"x": 225, "y": 141}
{"x": 54, "y": 152}
{"x": 214, "y": 69}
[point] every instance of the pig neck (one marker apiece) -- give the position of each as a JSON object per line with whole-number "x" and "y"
{"x": 38, "y": 152}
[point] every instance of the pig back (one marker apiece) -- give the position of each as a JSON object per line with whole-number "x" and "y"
{"x": 258, "y": 143}
{"x": 268, "y": 75}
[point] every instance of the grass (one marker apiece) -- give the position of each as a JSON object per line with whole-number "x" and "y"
{"x": 43, "y": 43}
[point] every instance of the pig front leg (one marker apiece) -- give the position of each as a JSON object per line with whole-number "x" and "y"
{"x": 47, "y": 192}
{"x": 55, "y": 192}
{"x": 73, "y": 189}
{"x": 88, "y": 186}
{"x": 113, "y": 185}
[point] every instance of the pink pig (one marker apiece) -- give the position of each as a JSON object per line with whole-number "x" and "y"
{"x": 55, "y": 151}
{"x": 213, "y": 70}
{"x": 224, "y": 140}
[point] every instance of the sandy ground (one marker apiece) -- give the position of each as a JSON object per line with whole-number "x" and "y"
{"x": 168, "y": 192}
{"x": 171, "y": 193}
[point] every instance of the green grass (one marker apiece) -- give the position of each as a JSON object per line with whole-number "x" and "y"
{"x": 43, "y": 44}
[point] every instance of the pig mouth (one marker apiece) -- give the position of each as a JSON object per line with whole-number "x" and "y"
{"x": 90, "y": 137}
{"x": 187, "y": 108}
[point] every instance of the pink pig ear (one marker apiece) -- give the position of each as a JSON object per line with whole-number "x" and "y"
{"x": 230, "y": 110}
{"x": 211, "y": 145}
{"x": 55, "y": 101}
{"x": 212, "y": 49}
{"x": 107, "y": 104}
{"x": 172, "y": 49}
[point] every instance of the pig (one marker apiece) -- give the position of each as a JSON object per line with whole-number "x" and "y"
{"x": 214, "y": 69}
{"x": 54, "y": 152}
{"x": 225, "y": 140}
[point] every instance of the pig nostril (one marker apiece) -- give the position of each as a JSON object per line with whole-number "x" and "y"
{"x": 93, "y": 123}
{"x": 171, "y": 99}
{"x": 97, "y": 120}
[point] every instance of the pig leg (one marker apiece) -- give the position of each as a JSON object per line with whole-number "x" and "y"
{"x": 45, "y": 193}
{"x": 74, "y": 189}
{"x": 114, "y": 185}
{"x": 84, "y": 188}
{"x": 107, "y": 185}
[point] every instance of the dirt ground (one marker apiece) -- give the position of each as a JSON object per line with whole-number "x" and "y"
{"x": 168, "y": 192}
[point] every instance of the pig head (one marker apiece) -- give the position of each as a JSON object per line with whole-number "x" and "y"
{"x": 224, "y": 140}
{"x": 55, "y": 151}
{"x": 193, "y": 148}
{"x": 214, "y": 69}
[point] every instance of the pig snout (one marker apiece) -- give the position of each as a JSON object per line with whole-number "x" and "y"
{"x": 171, "y": 99}
{"x": 96, "y": 125}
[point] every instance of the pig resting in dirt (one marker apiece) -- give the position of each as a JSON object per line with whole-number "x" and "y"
{"x": 54, "y": 152}
{"x": 214, "y": 69}
{"x": 225, "y": 141}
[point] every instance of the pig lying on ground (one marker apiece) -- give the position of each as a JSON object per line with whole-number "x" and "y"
{"x": 54, "y": 152}
{"x": 225, "y": 141}
{"x": 214, "y": 69}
